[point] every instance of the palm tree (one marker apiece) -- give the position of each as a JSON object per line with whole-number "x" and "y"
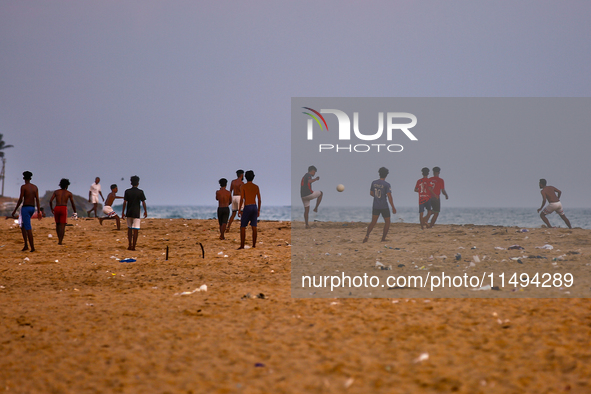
{"x": 2, "y": 147}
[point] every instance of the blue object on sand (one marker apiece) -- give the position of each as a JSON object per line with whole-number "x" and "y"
{"x": 127, "y": 260}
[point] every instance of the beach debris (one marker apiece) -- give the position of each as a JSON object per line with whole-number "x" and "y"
{"x": 531, "y": 256}
{"x": 400, "y": 265}
{"x": 499, "y": 248}
{"x": 472, "y": 264}
{"x": 515, "y": 247}
{"x": 442, "y": 257}
{"x": 572, "y": 252}
{"x": 378, "y": 264}
{"x": 559, "y": 258}
{"x": 202, "y": 250}
{"x": 201, "y": 288}
{"x": 473, "y": 247}
{"x": 259, "y": 365}
{"x": 49, "y": 236}
{"x": 458, "y": 256}
{"x": 128, "y": 261}
{"x": 26, "y": 259}
{"x": 523, "y": 230}
{"x": 348, "y": 382}
{"x": 547, "y": 247}
{"x": 260, "y": 296}
{"x": 497, "y": 288}
{"x": 422, "y": 357}
{"x": 483, "y": 288}
{"x": 167, "y": 252}
{"x": 476, "y": 259}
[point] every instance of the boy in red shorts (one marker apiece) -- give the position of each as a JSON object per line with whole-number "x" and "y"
{"x": 249, "y": 195}
{"x": 60, "y": 212}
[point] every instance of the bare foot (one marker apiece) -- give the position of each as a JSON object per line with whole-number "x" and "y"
{"x": 254, "y": 246}
{"x": 242, "y": 247}
{"x": 315, "y": 210}
{"x": 365, "y": 239}
{"x": 32, "y": 250}
{"x": 222, "y": 237}
{"x": 25, "y": 248}
{"x": 383, "y": 239}
{"x": 101, "y": 221}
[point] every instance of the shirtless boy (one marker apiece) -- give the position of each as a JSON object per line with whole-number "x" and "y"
{"x": 224, "y": 199}
{"x": 29, "y": 197}
{"x": 308, "y": 194}
{"x": 93, "y": 194}
{"x": 551, "y": 194}
{"x": 250, "y": 193}
{"x": 60, "y": 212}
{"x": 235, "y": 189}
{"x": 108, "y": 208}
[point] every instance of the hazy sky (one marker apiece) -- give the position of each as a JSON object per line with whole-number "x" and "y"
{"x": 183, "y": 93}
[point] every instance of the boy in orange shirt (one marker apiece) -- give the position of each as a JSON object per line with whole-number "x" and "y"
{"x": 249, "y": 214}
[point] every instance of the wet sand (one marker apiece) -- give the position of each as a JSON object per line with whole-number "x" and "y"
{"x": 76, "y": 320}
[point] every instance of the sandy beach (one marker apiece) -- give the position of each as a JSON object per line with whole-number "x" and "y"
{"x": 76, "y": 320}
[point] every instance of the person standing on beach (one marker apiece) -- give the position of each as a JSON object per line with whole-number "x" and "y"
{"x": 308, "y": 194}
{"x": 93, "y": 194}
{"x": 438, "y": 187}
{"x": 29, "y": 197}
{"x": 132, "y": 199}
{"x": 379, "y": 190}
{"x": 249, "y": 196}
{"x": 224, "y": 199}
{"x": 551, "y": 194}
{"x": 235, "y": 189}
{"x": 108, "y": 208}
{"x": 423, "y": 187}
{"x": 60, "y": 212}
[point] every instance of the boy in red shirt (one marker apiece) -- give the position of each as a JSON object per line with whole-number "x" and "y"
{"x": 423, "y": 187}
{"x": 438, "y": 187}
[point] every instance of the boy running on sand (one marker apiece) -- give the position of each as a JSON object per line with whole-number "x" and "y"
{"x": 93, "y": 194}
{"x": 380, "y": 190}
{"x": 108, "y": 208}
{"x": 131, "y": 200}
{"x": 250, "y": 193}
{"x": 224, "y": 199}
{"x": 551, "y": 194}
{"x": 29, "y": 197}
{"x": 423, "y": 187}
{"x": 235, "y": 189}
{"x": 438, "y": 187}
{"x": 60, "y": 212}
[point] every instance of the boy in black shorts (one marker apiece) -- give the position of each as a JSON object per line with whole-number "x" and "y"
{"x": 224, "y": 198}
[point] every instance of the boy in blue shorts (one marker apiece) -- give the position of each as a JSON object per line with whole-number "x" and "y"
{"x": 29, "y": 197}
{"x": 250, "y": 213}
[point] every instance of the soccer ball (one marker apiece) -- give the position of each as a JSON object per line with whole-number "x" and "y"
{"x": 340, "y": 188}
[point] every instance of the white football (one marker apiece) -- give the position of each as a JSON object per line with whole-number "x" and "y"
{"x": 340, "y": 188}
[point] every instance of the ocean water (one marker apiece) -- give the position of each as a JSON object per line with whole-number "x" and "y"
{"x": 509, "y": 217}
{"x": 209, "y": 212}
{"x": 520, "y": 217}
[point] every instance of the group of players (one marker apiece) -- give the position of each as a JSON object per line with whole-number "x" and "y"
{"x": 245, "y": 199}
{"x": 29, "y": 198}
{"x": 429, "y": 190}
